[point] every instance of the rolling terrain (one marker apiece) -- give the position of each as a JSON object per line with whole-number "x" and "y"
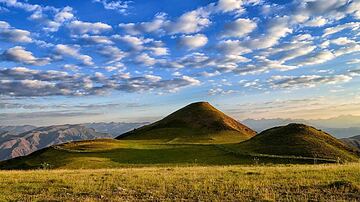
{"x": 298, "y": 140}
{"x": 197, "y": 134}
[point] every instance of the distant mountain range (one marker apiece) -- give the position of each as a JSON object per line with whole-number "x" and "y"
{"x": 38, "y": 138}
{"x": 113, "y": 128}
{"x": 16, "y": 130}
{"x": 353, "y": 141}
{"x": 22, "y": 140}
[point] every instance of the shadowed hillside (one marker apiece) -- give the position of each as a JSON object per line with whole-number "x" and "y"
{"x": 197, "y": 122}
{"x": 298, "y": 140}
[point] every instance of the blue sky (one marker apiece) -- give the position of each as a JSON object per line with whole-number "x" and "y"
{"x": 102, "y": 60}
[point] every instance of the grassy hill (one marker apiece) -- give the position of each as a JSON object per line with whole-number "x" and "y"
{"x": 196, "y": 123}
{"x": 298, "y": 140}
{"x": 197, "y": 134}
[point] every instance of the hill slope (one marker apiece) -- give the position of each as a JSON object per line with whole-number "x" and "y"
{"x": 38, "y": 138}
{"x": 197, "y": 122}
{"x": 298, "y": 140}
{"x": 352, "y": 141}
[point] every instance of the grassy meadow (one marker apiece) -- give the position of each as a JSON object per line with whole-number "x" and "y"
{"x": 326, "y": 182}
{"x": 106, "y": 153}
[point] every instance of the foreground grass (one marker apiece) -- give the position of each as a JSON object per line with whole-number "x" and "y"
{"x": 211, "y": 183}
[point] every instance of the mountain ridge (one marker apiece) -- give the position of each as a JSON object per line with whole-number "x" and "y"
{"x": 41, "y": 137}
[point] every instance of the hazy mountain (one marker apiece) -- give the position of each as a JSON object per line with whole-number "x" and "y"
{"x": 16, "y": 130}
{"x": 38, "y": 138}
{"x": 196, "y": 122}
{"x": 113, "y": 128}
{"x": 352, "y": 141}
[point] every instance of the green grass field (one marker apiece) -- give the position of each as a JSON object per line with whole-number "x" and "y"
{"x": 210, "y": 183}
{"x": 106, "y": 153}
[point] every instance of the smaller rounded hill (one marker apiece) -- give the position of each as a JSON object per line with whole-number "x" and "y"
{"x": 299, "y": 140}
{"x": 197, "y": 122}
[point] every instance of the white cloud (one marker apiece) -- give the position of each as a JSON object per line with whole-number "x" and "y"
{"x": 277, "y": 28}
{"x": 10, "y": 34}
{"x": 156, "y": 25}
{"x": 136, "y": 43}
{"x": 239, "y": 28}
{"x": 342, "y": 41}
{"x": 20, "y": 55}
{"x": 64, "y": 15}
{"x": 145, "y": 59}
{"x": 354, "y": 61}
{"x": 113, "y": 53}
{"x": 317, "y": 58}
{"x": 95, "y": 39}
{"x": 73, "y": 51}
{"x": 306, "y": 81}
{"x": 159, "y": 51}
{"x": 119, "y": 6}
{"x": 193, "y": 41}
{"x": 316, "y": 22}
{"x": 190, "y": 22}
{"x": 230, "y": 5}
{"x": 333, "y": 30}
{"x": 79, "y": 27}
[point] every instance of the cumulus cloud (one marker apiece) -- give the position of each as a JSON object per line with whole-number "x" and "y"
{"x": 333, "y": 30}
{"x": 156, "y": 25}
{"x": 73, "y": 51}
{"x": 135, "y": 43}
{"x": 239, "y": 28}
{"x": 190, "y": 22}
{"x": 20, "y": 55}
{"x": 49, "y": 17}
{"x": 145, "y": 59}
{"x": 317, "y": 58}
{"x": 119, "y": 6}
{"x": 7, "y": 33}
{"x": 91, "y": 39}
{"x": 307, "y": 81}
{"x": 112, "y": 53}
{"x": 79, "y": 27}
{"x": 193, "y": 41}
{"x": 277, "y": 28}
{"x": 316, "y": 22}
{"x": 26, "y": 82}
{"x": 52, "y": 25}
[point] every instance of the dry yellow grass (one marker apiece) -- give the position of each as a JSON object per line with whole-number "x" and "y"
{"x": 211, "y": 183}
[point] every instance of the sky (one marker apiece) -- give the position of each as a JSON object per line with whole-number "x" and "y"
{"x": 134, "y": 61}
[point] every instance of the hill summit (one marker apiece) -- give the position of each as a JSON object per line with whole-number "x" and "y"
{"x": 299, "y": 140}
{"x": 198, "y": 121}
